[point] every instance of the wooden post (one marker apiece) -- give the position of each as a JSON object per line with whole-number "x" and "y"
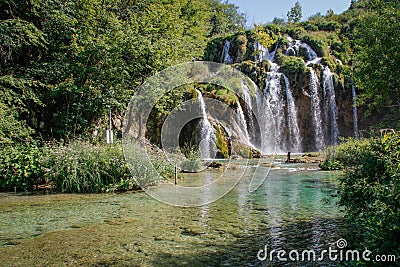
{"x": 288, "y": 158}
{"x": 175, "y": 174}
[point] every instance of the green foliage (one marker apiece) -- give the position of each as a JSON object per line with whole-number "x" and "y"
{"x": 11, "y": 128}
{"x": 317, "y": 44}
{"x": 295, "y": 32}
{"x": 222, "y": 142}
{"x": 292, "y": 66}
{"x": 90, "y": 54}
{"x": 265, "y": 37}
{"x": 85, "y": 168}
{"x": 225, "y": 18}
{"x": 21, "y": 167}
{"x": 78, "y": 167}
{"x": 347, "y": 154}
{"x": 377, "y": 60}
{"x": 295, "y": 13}
{"x": 240, "y": 45}
{"x": 371, "y": 196}
{"x": 192, "y": 163}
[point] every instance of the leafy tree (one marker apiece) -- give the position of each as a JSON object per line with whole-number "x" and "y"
{"x": 295, "y": 14}
{"x": 225, "y": 18}
{"x": 278, "y": 21}
{"x": 377, "y": 60}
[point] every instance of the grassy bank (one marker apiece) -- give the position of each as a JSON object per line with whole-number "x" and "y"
{"x": 78, "y": 166}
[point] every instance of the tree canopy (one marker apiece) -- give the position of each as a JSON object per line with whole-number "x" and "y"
{"x": 63, "y": 62}
{"x": 295, "y": 14}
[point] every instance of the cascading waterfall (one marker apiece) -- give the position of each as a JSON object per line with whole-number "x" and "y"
{"x": 274, "y": 102}
{"x": 242, "y": 124}
{"x": 294, "y": 132}
{"x": 316, "y": 111}
{"x": 226, "y": 58}
{"x": 311, "y": 53}
{"x": 248, "y": 109}
{"x": 277, "y": 126}
{"x": 263, "y": 53}
{"x": 355, "y": 117}
{"x": 267, "y": 126}
{"x": 331, "y": 112}
{"x": 208, "y": 139}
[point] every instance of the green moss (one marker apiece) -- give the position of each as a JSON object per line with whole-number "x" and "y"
{"x": 295, "y": 32}
{"x": 222, "y": 143}
{"x": 318, "y": 45}
{"x": 240, "y": 47}
{"x": 330, "y": 62}
{"x": 292, "y": 65}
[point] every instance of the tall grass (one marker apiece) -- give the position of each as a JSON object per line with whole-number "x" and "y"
{"x": 81, "y": 167}
{"x": 86, "y": 168}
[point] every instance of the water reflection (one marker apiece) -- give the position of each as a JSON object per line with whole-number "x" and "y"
{"x": 295, "y": 208}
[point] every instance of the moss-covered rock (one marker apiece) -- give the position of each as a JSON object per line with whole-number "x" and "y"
{"x": 292, "y": 66}
{"x": 222, "y": 142}
{"x": 240, "y": 47}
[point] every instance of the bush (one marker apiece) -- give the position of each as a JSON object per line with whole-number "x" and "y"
{"x": 370, "y": 194}
{"x": 191, "y": 165}
{"x": 347, "y": 154}
{"x": 85, "y": 168}
{"x": 328, "y": 26}
{"x": 21, "y": 167}
{"x": 79, "y": 167}
{"x": 318, "y": 45}
{"x": 295, "y": 32}
{"x": 292, "y": 65}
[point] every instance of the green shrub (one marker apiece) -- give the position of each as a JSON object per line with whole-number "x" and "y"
{"x": 191, "y": 165}
{"x": 317, "y": 44}
{"x": 85, "y": 168}
{"x": 240, "y": 46}
{"x": 370, "y": 194}
{"x": 21, "y": 167}
{"x": 328, "y": 25}
{"x": 345, "y": 155}
{"x": 295, "y": 32}
{"x": 192, "y": 162}
{"x": 311, "y": 27}
{"x": 292, "y": 65}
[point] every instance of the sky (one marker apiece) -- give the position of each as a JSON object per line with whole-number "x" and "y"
{"x": 265, "y": 10}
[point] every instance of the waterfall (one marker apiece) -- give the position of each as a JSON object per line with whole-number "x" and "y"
{"x": 331, "y": 111}
{"x": 248, "y": 109}
{"x": 355, "y": 117}
{"x": 267, "y": 125}
{"x": 226, "y": 58}
{"x": 274, "y": 101}
{"x": 316, "y": 110}
{"x": 242, "y": 124}
{"x": 311, "y": 53}
{"x": 263, "y": 53}
{"x": 294, "y": 132}
{"x": 208, "y": 139}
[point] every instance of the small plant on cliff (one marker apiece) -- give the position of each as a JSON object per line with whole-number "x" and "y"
{"x": 292, "y": 65}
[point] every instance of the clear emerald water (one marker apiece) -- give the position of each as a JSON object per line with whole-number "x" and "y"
{"x": 295, "y": 208}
